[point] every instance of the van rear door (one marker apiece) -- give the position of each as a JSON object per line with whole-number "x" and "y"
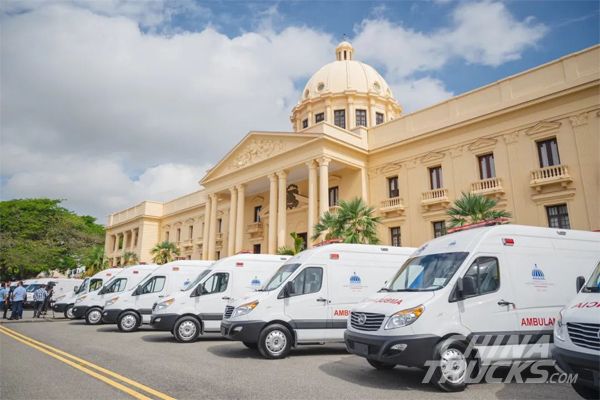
{"x": 487, "y": 309}
{"x": 307, "y": 306}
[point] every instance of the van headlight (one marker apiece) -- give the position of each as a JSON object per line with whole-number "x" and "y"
{"x": 559, "y": 327}
{"x": 244, "y": 309}
{"x": 164, "y": 304}
{"x": 404, "y": 317}
{"x": 80, "y": 299}
{"x": 111, "y": 301}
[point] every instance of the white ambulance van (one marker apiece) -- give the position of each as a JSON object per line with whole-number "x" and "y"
{"x": 89, "y": 306}
{"x": 492, "y": 289}
{"x": 133, "y": 308}
{"x": 577, "y": 337}
{"x": 65, "y": 302}
{"x": 200, "y": 307}
{"x": 309, "y": 299}
{"x": 60, "y": 286}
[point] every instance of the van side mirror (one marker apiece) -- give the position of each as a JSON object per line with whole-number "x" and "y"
{"x": 287, "y": 291}
{"x": 459, "y": 289}
{"x": 579, "y": 282}
{"x": 76, "y": 288}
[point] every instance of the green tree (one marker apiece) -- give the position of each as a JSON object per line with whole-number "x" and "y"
{"x": 40, "y": 235}
{"x": 164, "y": 252}
{"x": 471, "y": 208}
{"x": 292, "y": 251}
{"x": 95, "y": 261}
{"x": 130, "y": 258}
{"x": 352, "y": 222}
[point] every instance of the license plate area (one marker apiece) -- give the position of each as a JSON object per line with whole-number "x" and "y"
{"x": 361, "y": 349}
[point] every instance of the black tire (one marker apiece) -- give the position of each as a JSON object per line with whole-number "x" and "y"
{"x": 128, "y": 321}
{"x": 93, "y": 316}
{"x": 586, "y": 392}
{"x": 452, "y": 360}
{"x": 69, "y": 312}
{"x": 187, "y": 329}
{"x": 380, "y": 365}
{"x": 252, "y": 346}
{"x": 275, "y": 342}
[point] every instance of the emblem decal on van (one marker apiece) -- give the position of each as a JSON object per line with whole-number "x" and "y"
{"x": 389, "y": 300}
{"x": 538, "y": 279}
{"x": 537, "y": 273}
{"x": 255, "y": 283}
{"x": 355, "y": 279}
{"x": 362, "y": 319}
{"x": 355, "y": 283}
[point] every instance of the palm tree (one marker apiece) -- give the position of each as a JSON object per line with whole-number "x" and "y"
{"x": 292, "y": 251}
{"x": 352, "y": 222}
{"x": 95, "y": 261}
{"x": 164, "y": 252}
{"x": 130, "y": 258}
{"x": 471, "y": 208}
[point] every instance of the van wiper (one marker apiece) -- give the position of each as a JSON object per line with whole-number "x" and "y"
{"x": 408, "y": 290}
{"x": 384, "y": 289}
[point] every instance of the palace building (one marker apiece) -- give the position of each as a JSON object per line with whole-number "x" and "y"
{"x": 531, "y": 141}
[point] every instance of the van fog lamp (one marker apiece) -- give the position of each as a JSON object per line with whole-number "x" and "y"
{"x": 404, "y": 317}
{"x": 399, "y": 347}
{"x": 244, "y": 309}
{"x": 164, "y": 304}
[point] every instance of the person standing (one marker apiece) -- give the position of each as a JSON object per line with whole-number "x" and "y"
{"x": 39, "y": 297}
{"x": 7, "y": 296}
{"x": 18, "y": 297}
{"x": 3, "y": 294}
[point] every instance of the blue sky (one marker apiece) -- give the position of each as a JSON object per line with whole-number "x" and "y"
{"x": 106, "y": 103}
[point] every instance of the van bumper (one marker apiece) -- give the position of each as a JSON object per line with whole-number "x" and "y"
{"x": 79, "y": 311}
{"x": 243, "y": 331}
{"x": 60, "y": 307}
{"x": 418, "y": 350}
{"x": 586, "y": 366}
{"x": 111, "y": 316}
{"x": 164, "y": 322}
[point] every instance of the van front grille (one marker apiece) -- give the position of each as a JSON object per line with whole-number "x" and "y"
{"x": 228, "y": 312}
{"x": 366, "y": 321}
{"x": 585, "y": 335}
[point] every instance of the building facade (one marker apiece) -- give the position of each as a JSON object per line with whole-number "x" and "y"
{"x": 532, "y": 141}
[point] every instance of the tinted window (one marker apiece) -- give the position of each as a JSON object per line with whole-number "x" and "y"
{"x": 483, "y": 277}
{"x": 95, "y": 284}
{"x": 308, "y": 281}
{"x": 153, "y": 285}
{"x": 83, "y": 285}
{"x": 215, "y": 284}
{"x": 118, "y": 285}
{"x": 198, "y": 279}
{"x": 281, "y": 276}
{"x": 430, "y": 272}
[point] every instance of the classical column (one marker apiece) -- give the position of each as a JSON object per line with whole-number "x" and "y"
{"x": 312, "y": 200}
{"x": 281, "y": 208}
{"x": 364, "y": 181}
{"x": 212, "y": 230}
{"x": 323, "y": 185}
{"x": 239, "y": 227}
{"x": 232, "y": 212}
{"x": 272, "y": 213}
{"x": 205, "y": 229}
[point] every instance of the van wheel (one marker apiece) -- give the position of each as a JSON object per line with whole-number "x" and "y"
{"x": 93, "y": 316}
{"x": 586, "y": 392}
{"x": 252, "y": 346}
{"x": 380, "y": 365}
{"x": 275, "y": 342}
{"x": 187, "y": 329}
{"x": 451, "y": 373}
{"x": 128, "y": 321}
{"x": 69, "y": 312}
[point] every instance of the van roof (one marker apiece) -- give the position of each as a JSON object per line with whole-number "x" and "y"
{"x": 197, "y": 264}
{"x": 352, "y": 248}
{"x": 231, "y": 260}
{"x": 469, "y": 239}
{"x": 192, "y": 263}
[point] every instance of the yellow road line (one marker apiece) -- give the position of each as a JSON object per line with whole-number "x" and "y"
{"x": 96, "y": 375}
{"x": 90, "y": 365}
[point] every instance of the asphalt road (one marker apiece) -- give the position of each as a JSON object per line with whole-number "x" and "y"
{"x": 211, "y": 368}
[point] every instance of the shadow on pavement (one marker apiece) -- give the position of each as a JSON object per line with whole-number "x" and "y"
{"x": 238, "y": 350}
{"x": 399, "y": 378}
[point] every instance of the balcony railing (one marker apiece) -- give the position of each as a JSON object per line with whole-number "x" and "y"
{"x": 550, "y": 175}
{"x": 392, "y": 204}
{"x": 435, "y": 196}
{"x": 255, "y": 227}
{"x": 487, "y": 186}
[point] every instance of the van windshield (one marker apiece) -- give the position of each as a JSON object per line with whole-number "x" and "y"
{"x": 427, "y": 273}
{"x": 33, "y": 287}
{"x": 593, "y": 284}
{"x": 280, "y": 276}
{"x": 81, "y": 288}
{"x": 196, "y": 281}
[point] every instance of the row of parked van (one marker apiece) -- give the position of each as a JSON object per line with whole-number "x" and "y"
{"x": 390, "y": 305}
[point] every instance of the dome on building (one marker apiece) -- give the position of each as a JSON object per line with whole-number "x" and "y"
{"x": 347, "y": 93}
{"x": 345, "y": 74}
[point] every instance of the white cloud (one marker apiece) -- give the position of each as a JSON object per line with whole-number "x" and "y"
{"x": 420, "y": 93}
{"x": 80, "y": 86}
